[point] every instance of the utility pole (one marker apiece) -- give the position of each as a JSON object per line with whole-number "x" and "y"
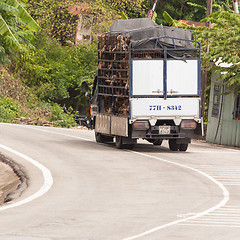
{"x": 204, "y": 72}
{"x": 209, "y": 10}
{"x": 151, "y": 11}
{"x": 235, "y": 6}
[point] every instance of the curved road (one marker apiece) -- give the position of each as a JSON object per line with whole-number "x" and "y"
{"x": 79, "y": 189}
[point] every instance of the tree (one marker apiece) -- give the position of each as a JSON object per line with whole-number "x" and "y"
{"x": 55, "y": 72}
{"x": 133, "y": 8}
{"x": 54, "y": 18}
{"x": 224, "y": 42}
{"x": 193, "y": 10}
{"x": 15, "y": 22}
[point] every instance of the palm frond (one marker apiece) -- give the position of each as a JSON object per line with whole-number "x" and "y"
{"x": 5, "y": 31}
{"x": 23, "y": 15}
{"x": 7, "y": 8}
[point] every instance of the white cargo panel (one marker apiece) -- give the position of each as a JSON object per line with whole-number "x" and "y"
{"x": 171, "y": 107}
{"x": 147, "y": 77}
{"x": 182, "y": 77}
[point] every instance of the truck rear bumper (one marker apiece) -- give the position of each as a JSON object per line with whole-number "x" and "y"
{"x": 175, "y": 133}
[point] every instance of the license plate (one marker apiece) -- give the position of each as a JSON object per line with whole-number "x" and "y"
{"x": 164, "y": 129}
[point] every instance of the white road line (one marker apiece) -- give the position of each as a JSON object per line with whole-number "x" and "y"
{"x": 227, "y": 176}
{"x": 209, "y": 225}
{"x": 227, "y": 184}
{"x": 230, "y": 209}
{"x": 223, "y": 214}
{"x": 217, "y": 152}
{"x": 219, "y": 205}
{"x": 228, "y": 180}
{"x": 227, "y": 211}
{"x": 209, "y": 217}
{"x": 233, "y": 207}
{"x": 214, "y": 222}
{"x": 220, "y": 173}
{"x": 219, "y": 184}
{"x": 48, "y": 180}
{"x": 63, "y": 134}
{"x": 224, "y": 171}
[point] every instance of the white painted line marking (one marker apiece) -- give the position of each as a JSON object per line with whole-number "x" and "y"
{"x": 229, "y": 184}
{"x": 209, "y": 225}
{"x": 220, "y": 185}
{"x": 48, "y": 180}
{"x": 219, "y": 205}
{"x": 226, "y": 176}
{"x": 225, "y": 208}
{"x": 63, "y": 134}
{"x": 220, "y": 210}
{"x": 223, "y": 214}
{"x": 223, "y": 171}
{"x": 213, "y": 222}
{"x": 215, "y": 152}
{"x": 231, "y": 207}
{"x": 210, "y": 217}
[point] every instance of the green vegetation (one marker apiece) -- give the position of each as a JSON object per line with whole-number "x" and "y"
{"x": 44, "y": 69}
{"x": 55, "y": 72}
{"x": 8, "y": 109}
{"x": 15, "y": 26}
{"x": 224, "y": 47}
{"x": 192, "y": 10}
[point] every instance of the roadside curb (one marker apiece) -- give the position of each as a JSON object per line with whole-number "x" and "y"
{"x": 14, "y": 186}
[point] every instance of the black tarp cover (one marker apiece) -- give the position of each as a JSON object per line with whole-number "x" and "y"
{"x": 142, "y": 31}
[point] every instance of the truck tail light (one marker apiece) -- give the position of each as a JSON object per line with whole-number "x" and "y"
{"x": 141, "y": 125}
{"x": 188, "y": 124}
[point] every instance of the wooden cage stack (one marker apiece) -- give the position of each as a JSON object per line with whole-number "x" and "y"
{"x": 113, "y": 73}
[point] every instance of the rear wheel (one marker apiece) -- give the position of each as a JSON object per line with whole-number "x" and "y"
{"x": 157, "y": 142}
{"x": 183, "y": 147}
{"x": 100, "y": 138}
{"x": 119, "y": 143}
{"x": 130, "y": 146}
{"x": 173, "y": 146}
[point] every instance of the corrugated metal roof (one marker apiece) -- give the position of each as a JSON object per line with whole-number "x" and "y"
{"x": 197, "y": 24}
{"x": 80, "y": 8}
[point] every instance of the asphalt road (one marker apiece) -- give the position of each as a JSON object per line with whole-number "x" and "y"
{"x": 79, "y": 189}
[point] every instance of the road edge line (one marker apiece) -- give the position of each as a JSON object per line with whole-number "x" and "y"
{"x": 48, "y": 180}
{"x": 219, "y": 205}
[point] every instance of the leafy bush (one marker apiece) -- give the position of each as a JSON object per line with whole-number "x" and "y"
{"x": 55, "y": 72}
{"x": 57, "y": 114}
{"x": 8, "y": 109}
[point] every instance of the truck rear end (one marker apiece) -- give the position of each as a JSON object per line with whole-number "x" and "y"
{"x": 148, "y": 85}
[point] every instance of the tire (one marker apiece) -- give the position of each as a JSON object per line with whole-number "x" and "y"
{"x": 130, "y": 146}
{"x": 173, "y": 146}
{"x": 108, "y": 139}
{"x": 183, "y": 147}
{"x": 119, "y": 143}
{"x": 157, "y": 142}
{"x": 151, "y": 140}
{"x": 99, "y": 137}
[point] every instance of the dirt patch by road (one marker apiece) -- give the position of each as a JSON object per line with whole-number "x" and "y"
{"x": 13, "y": 180}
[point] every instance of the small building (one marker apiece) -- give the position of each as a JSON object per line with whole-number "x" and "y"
{"x": 196, "y": 24}
{"x": 85, "y": 21}
{"x": 224, "y": 114}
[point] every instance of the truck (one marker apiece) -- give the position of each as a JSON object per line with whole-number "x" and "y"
{"x": 148, "y": 85}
